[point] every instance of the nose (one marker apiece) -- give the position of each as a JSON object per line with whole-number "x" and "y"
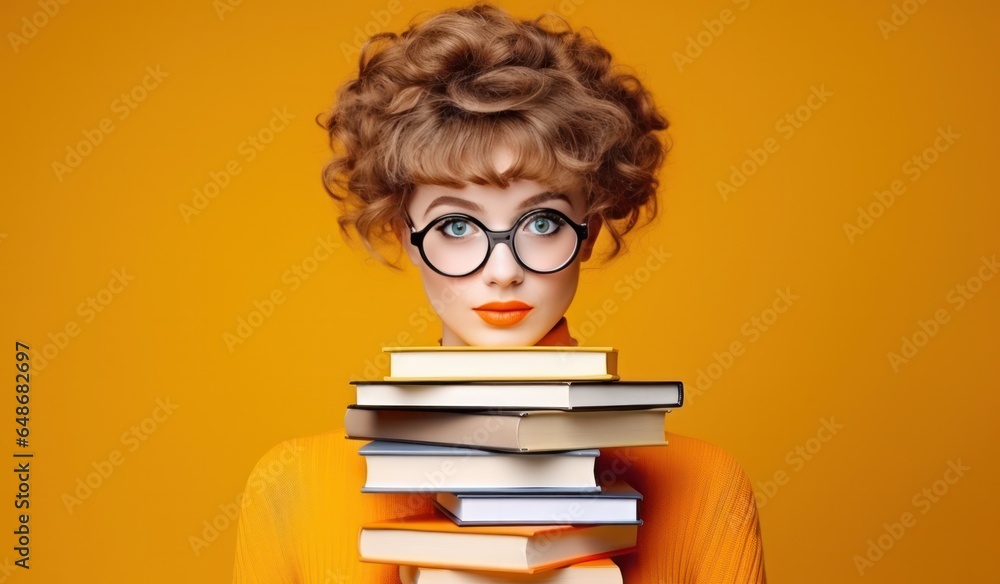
{"x": 502, "y": 269}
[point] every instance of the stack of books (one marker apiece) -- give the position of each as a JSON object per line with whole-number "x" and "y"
{"x": 506, "y": 440}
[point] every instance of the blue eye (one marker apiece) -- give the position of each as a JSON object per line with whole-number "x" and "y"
{"x": 544, "y": 224}
{"x": 455, "y": 228}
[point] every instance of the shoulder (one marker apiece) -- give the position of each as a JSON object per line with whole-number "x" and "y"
{"x": 700, "y": 471}
{"x": 295, "y": 492}
{"x": 717, "y": 474}
{"x": 698, "y": 508}
{"x": 682, "y": 458}
{"x": 701, "y": 457}
{"x": 293, "y": 467}
{"x": 296, "y": 452}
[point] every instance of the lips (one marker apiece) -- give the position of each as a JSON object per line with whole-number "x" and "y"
{"x": 503, "y": 313}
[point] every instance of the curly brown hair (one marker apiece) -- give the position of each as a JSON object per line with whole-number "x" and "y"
{"x": 432, "y": 104}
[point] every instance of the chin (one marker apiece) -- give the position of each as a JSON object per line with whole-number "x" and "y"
{"x": 483, "y": 335}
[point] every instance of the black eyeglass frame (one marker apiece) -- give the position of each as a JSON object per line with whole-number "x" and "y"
{"x": 495, "y": 237}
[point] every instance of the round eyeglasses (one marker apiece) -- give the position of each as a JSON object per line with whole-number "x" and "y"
{"x": 542, "y": 241}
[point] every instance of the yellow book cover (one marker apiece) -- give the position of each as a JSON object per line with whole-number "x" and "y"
{"x": 477, "y": 363}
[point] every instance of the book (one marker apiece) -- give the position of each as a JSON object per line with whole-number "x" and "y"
{"x": 510, "y": 430}
{"x": 501, "y": 363}
{"x": 408, "y": 467}
{"x": 433, "y": 540}
{"x": 521, "y": 394}
{"x": 617, "y": 503}
{"x": 602, "y": 571}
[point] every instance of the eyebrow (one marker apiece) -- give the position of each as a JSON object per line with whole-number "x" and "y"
{"x": 529, "y": 202}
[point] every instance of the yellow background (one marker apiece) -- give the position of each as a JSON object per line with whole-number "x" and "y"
{"x": 826, "y": 357}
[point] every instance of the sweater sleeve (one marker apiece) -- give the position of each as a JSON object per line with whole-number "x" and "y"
{"x": 700, "y": 522}
{"x": 262, "y": 553}
{"x": 302, "y": 512}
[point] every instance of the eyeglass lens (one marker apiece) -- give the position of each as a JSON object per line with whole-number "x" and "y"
{"x": 542, "y": 240}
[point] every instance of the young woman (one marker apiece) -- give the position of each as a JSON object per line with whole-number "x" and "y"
{"x": 494, "y": 151}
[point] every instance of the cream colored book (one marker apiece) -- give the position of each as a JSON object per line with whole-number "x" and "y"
{"x": 510, "y": 430}
{"x": 394, "y": 467}
{"x": 602, "y": 571}
{"x": 433, "y": 541}
{"x": 501, "y": 363}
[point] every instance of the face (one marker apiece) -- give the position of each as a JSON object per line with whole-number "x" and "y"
{"x": 535, "y": 302}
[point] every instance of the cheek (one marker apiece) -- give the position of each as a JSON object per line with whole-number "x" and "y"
{"x": 566, "y": 292}
{"x": 444, "y": 293}
{"x": 565, "y": 284}
{"x": 557, "y": 290}
{"x": 433, "y": 283}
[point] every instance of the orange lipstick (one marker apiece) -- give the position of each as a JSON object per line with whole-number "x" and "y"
{"x": 503, "y": 313}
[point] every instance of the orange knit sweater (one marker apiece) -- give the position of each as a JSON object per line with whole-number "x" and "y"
{"x": 303, "y": 508}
